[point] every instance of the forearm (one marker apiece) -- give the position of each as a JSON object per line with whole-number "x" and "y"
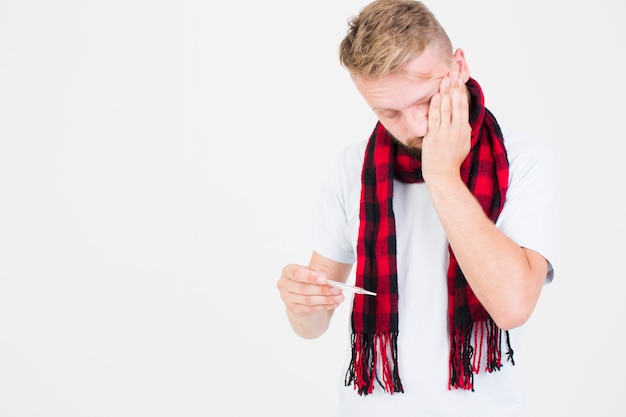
{"x": 498, "y": 270}
{"x": 310, "y": 325}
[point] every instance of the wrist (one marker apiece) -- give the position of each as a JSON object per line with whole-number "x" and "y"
{"x": 442, "y": 179}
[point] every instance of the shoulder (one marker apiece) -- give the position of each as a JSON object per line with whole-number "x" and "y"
{"x": 349, "y": 163}
{"x": 530, "y": 159}
{"x": 352, "y": 155}
{"x": 523, "y": 149}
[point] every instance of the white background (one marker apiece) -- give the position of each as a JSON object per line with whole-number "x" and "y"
{"x": 158, "y": 160}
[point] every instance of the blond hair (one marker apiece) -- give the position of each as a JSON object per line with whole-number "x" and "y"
{"x": 388, "y": 34}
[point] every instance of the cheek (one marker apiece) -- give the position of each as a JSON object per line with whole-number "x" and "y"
{"x": 394, "y": 128}
{"x": 422, "y": 112}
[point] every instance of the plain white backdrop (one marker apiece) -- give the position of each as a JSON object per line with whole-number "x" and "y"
{"x": 158, "y": 160}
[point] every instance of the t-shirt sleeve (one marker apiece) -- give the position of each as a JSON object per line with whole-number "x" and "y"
{"x": 327, "y": 231}
{"x": 531, "y": 209}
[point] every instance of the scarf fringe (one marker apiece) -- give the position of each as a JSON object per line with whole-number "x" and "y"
{"x": 367, "y": 349}
{"x": 464, "y": 362}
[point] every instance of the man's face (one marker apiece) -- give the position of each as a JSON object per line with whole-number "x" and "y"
{"x": 401, "y": 101}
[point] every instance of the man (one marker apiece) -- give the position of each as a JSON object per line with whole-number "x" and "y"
{"x": 449, "y": 221}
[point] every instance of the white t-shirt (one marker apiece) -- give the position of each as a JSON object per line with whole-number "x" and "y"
{"x": 529, "y": 218}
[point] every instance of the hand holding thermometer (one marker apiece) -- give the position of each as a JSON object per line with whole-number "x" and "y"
{"x": 347, "y": 287}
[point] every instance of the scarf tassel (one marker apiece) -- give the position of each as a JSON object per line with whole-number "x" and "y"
{"x": 362, "y": 371}
{"x": 464, "y": 363}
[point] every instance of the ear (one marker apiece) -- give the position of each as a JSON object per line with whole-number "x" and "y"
{"x": 460, "y": 64}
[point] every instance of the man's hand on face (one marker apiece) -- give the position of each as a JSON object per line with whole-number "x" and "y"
{"x": 447, "y": 142}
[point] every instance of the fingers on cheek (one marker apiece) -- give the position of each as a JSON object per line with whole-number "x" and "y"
{"x": 446, "y": 103}
{"x": 435, "y": 102}
{"x": 460, "y": 97}
{"x": 445, "y": 111}
{"x": 434, "y": 111}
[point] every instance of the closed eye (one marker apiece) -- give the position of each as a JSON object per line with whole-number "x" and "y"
{"x": 389, "y": 114}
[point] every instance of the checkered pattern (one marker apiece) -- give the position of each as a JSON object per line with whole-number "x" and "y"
{"x": 375, "y": 319}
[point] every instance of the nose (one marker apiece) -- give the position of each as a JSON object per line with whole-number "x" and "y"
{"x": 416, "y": 123}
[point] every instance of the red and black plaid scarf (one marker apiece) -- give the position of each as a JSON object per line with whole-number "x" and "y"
{"x": 375, "y": 319}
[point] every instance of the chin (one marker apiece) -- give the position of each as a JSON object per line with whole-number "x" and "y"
{"x": 413, "y": 151}
{"x": 414, "y": 146}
